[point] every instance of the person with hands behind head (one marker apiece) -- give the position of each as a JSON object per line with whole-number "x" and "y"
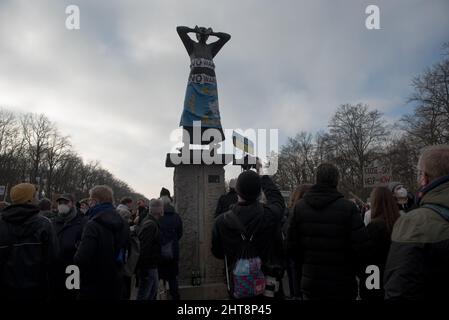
{"x": 201, "y": 98}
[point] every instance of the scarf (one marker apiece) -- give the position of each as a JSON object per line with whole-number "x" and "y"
{"x": 92, "y": 212}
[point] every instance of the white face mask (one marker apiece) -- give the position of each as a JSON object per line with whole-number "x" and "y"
{"x": 63, "y": 209}
{"x": 401, "y": 193}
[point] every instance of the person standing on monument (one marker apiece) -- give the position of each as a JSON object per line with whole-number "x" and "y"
{"x": 201, "y": 98}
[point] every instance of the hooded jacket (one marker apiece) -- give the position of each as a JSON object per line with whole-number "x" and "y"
{"x": 418, "y": 261}
{"x": 105, "y": 235}
{"x": 262, "y": 221}
{"x": 226, "y": 201}
{"x": 69, "y": 236}
{"x": 326, "y": 238}
{"x": 28, "y": 249}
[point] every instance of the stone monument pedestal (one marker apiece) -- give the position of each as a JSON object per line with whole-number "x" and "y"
{"x": 197, "y": 188}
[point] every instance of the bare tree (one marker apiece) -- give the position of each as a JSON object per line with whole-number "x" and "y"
{"x": 428, "y": 124}
{"x": 31, "y": 146}
{"x": 36, "y": 130}
{"x": 11, "y": 147}
{"x": 356, "y": 137}
{"x": 57, "y": 151}
{"x": 296, "y": 161}
{"x": 402, "y": 156}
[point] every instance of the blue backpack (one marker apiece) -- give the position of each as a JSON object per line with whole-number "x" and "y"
{"x": 247, "y": 278}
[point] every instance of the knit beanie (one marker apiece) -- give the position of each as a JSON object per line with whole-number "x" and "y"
{"x": 248, "y": 185}
{"x": 22, "y": 193}
{"x": 393, "y": 185}
{"x": 166, "y": 193}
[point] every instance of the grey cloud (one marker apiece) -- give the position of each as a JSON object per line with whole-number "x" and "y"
{"x": 117, "y": 85}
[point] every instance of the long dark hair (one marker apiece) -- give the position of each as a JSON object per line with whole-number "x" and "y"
{"x": 383, "y": 206}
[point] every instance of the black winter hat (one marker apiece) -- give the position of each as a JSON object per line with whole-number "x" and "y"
{"x": 248, "y": 185}
{"x": 164, "y": 192}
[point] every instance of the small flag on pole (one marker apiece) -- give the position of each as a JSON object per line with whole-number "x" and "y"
{"x": 242, "y": 143}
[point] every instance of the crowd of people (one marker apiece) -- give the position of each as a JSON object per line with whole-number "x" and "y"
{"x": 328, "y": 246}
{"x": 110, "y": 245}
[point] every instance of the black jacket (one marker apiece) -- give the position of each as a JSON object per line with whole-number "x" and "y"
{"x": 69, "y": 237}
{"x": 170, "y": 230}
{"x": 142, "y": 212}
{"x": 418, "y": 262}
{"x": 380, "y": 241}
{"x": 28, "y": 249}
{"x": 105, "y": 235}
{"x": 50, "y": 214}
{"x": 226, "y": 201}
{"x": 150, "y": 243}
{"x": 266, "y": 219}
{"x": 326, "y": 238}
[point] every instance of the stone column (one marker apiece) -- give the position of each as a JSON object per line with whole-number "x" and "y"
{"x": 197, "y": 188}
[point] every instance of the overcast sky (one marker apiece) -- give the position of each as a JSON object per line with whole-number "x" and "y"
{"x": 117, "y": 85}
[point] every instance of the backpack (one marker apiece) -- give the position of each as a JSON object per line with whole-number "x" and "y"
{"x": 247, "y": 278}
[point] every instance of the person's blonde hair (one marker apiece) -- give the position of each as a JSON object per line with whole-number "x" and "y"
{"x": 434, "y": 161}
{"x": 298, "y": 194}
{"x": 102, "y": 193}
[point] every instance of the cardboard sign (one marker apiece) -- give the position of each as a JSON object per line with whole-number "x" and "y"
{"x": 376, "y": 176}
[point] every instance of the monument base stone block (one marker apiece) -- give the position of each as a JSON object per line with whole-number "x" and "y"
{"x": 197, "y": 188}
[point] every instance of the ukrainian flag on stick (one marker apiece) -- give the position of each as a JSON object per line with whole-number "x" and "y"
{"x": 242, "y": 143}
